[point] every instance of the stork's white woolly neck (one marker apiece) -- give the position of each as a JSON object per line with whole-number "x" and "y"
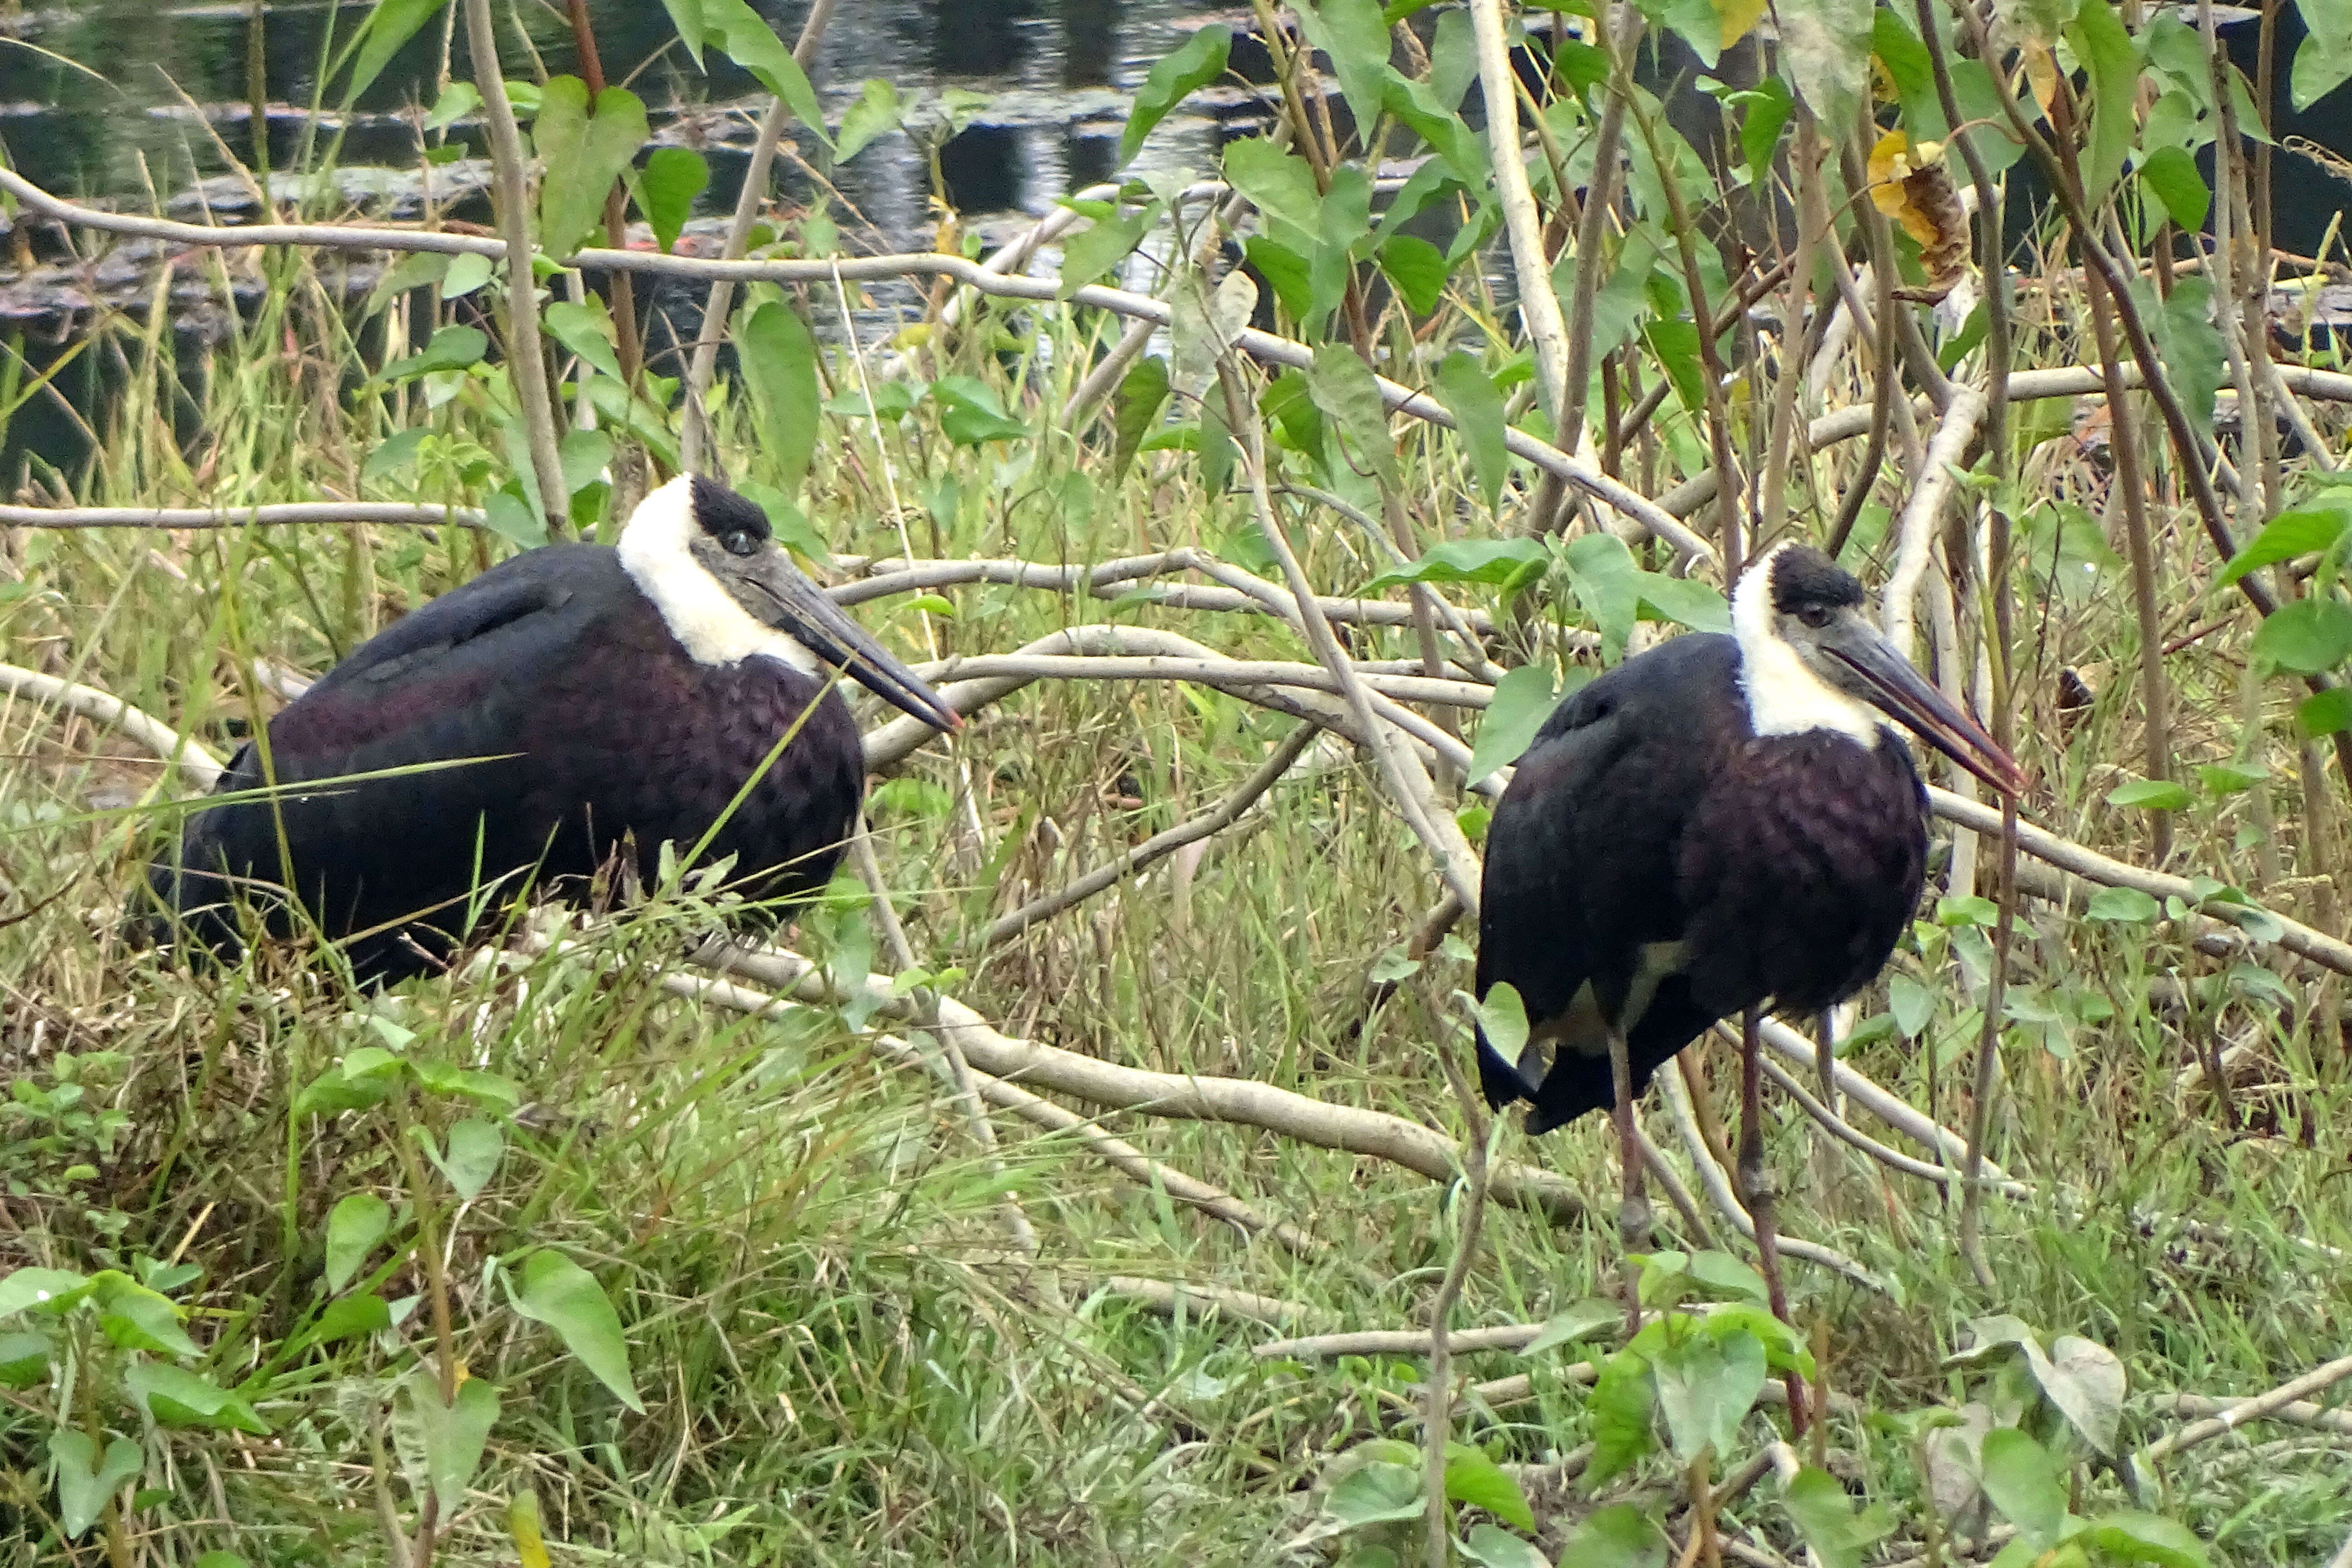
{"x": 697, "y": 608}
{"x": 1785, "y": 697}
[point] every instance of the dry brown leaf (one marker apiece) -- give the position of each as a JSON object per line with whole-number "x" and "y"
{"x": 1907, "y": 183}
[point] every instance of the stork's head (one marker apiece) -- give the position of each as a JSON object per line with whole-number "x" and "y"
{"x": 1810, "y": 659}
{"x": 728, "y": 592}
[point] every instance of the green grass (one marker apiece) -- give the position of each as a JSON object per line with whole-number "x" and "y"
{"x": 840, "y": 1356}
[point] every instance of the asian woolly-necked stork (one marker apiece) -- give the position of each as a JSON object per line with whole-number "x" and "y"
{"x": 1716, "y": 824}
{"x": 625, "y": 694}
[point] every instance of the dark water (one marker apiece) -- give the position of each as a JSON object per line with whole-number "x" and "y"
{"x": 155, "y": 104}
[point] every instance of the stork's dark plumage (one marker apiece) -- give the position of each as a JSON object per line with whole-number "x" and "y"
{"x": 1718, "y": 822}
{"x": 618, "y": 692}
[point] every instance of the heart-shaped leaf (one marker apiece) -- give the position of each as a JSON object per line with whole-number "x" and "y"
{"x": 585, "y": 150}
{"x": 566, "y": 1298}
{"x": 86, "y": 1479}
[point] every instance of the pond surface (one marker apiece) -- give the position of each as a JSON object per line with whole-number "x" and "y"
{"x": 1056, "y": 75}
{"x": 150, "y": 105}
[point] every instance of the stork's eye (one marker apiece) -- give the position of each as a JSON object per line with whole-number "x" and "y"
{"x": 738, "y": 542}
{"x": 1814, "y": 616}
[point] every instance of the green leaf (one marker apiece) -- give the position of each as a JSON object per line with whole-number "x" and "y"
{"x": 1581, "y": 1322}
{"x": 1472, "y": 1479}
{"x": 1419, "y": 270}
{"x": 2025, "y": 1483}
{"x": 1685, "y": 600}
{"x": 878, "y": 112}
{"x": 1502, "y": 1019}
{"x": 351, "y": 1318}
{"x": 686, "y": 15}
{"x": 2307, "y": 637}
{"x": 587, "y": 329}
{"x": 1202, "y": 326}
{"x": 1352, "y": 34}
{"x": 1765, "y": 116}
{"x": 1825, "y": 51}
{"x": 2125, "y": 906}
{"x": 493, "y": 1092}
{"x": 1469, "y": 394}
{"x": 2152, "y": 795}
{"x": 1102, "y": 245}
{"x": 1490, "y": 1547}
{"x": 584, "y": 152}
{"x": 1508, "y": 563}
{"x": 49, "y": 1290}
{"x": 85, "y": 1480}
{"x": 512, "y": 518}
{"x": 1618, "y": 1536}
{"x": 1344, "y": 388}
{"x": 2085, "y": 1381}
{"x": 1281, "y": 186}
{"x": 1608, "y": 584}
{"x": 466, "y": 274}
{"x": 1142, "y": 393}
{"x": 2145, "y": 1538}
{"x": 1674, "y": 345}
{"x": 1912, "y": 1004}
{"x": 475, "y": 1149}
{"x": 1292, "y": 276}
{"x": 672, "y": 179}
{"x": 178, "y": 1398}
{"x": 2322, "y": 61}
{"x": 1523, "y": 700}
{"x": 2325, "y": 712}
{"x": 1826, "y": 1517}
{"x": 751, "y": 43}
{"x": 2106, "y": 48}
{"x": 1374, "y": 1494}
{"x": 582, "y": 455}
{"x": 1199, "y": 61}
{"x": 778, "y": 355}
{"x": 2172, "y": 174}
{"x": 450, "y": 348}
{"x": 458, "y": 99}
{"x": 566, "y": 1298}
{"x": 1706, "y": 1389}
{"x": 1729, "y": 1278}
{"x": 1417, "y": 104}
{"x": 2186, "y": 338}
{"x": 138, "y": 1319}
{"x": 24, "y": 1359}
{"x": 221, "y": 1559}
{"x": 453, "y": 1435}
{"x": 1620, "y": 1409}
{"x": 2306, "y": 531}
{"x": 353, "y": 1228}
{"x": 970, "y": 414}
{"x": 390, "y": 24}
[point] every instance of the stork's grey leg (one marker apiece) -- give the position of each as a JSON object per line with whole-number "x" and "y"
{"x": 1633, "y": 1209}
{"x": 1756, "y": 1188}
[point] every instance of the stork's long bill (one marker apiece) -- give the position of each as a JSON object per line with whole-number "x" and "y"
{"x": 821, "y": 626}
{"x": 1904, "y": 694}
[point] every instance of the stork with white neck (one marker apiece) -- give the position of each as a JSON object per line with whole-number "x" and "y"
{"x": 1718, "y": 824}
{"x": 679, "y": 687}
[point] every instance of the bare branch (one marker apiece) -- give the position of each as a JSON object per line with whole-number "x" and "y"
{"x": 267, "y": 514}
{"x": 199, "y": 766}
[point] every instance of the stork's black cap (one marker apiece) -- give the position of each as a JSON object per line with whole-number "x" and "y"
{"x": 1803, "y": 578}
{"x": 721, "y": 511}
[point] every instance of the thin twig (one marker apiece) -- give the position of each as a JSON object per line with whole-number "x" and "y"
{"x": 526, "y": 362}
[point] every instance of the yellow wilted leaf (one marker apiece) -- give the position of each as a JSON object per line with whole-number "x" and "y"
{"x": 1739, "y": 19}
{"x": 522, "y": 1523}
{"x": 1907, "y": 183}
{"x": 1890, "y": 165}
{"x": 2042, "y": 75}
{"x": 1881, "y": 82}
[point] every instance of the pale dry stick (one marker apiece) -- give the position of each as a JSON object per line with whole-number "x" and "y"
{"x": 1847, "y": 1133}
{"x": 2297, "y": 1413}
{"x": 2244, "y": 1410}
{"x": 1117, "y": 1153}
{"x": 526, "y": 360}
{"x": 1174, "y": 1096}
{"x": 1167, "y": 1297}
{"x": 1205, "y": 668}
{"x": 1512, "y": 1337}
{"x": 1677, "y": 1193}
{"x": 1214, "y": 820}
{"x": 1914, "y": 530}
{"x": 961, "y": 1080}
{"x": 267, "y": 514}
{"x": 1437, "y": 1394}
{"x": 197, "y": 765}
{"x": 2343, "y": 1558}
{"x": 2325, "y": 951}
{"x": 1717, "y": 1184}
{"x": 705, "y": 362}
{"x": 1408, "y": 782}
{"x": 1539, "y": 301}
